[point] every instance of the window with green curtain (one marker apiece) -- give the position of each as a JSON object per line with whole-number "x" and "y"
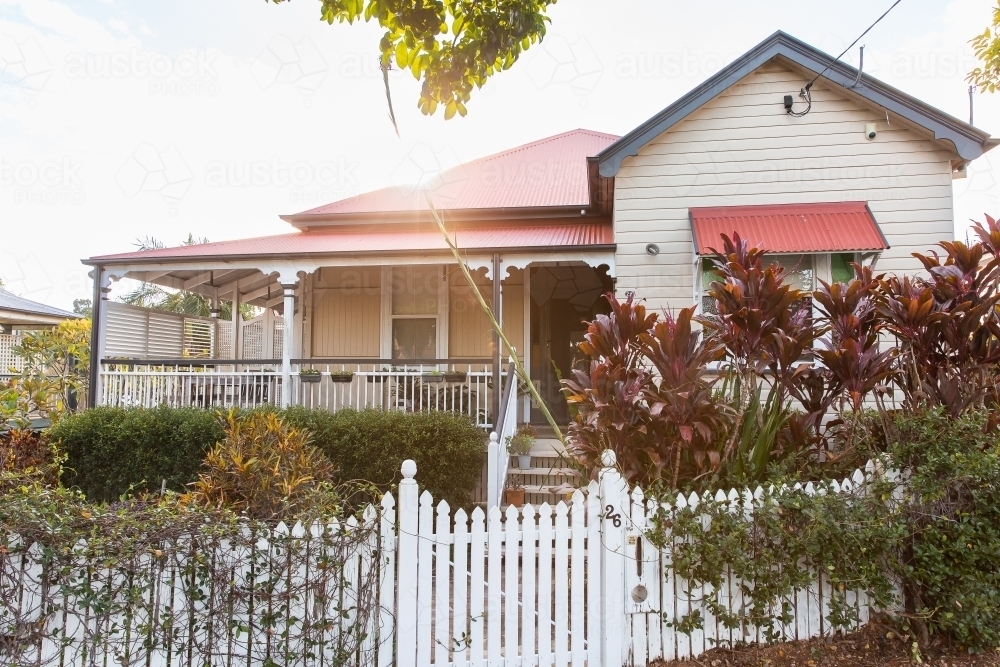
{"x": 840, "y": 267}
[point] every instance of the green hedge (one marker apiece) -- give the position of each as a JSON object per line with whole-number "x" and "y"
{"x": 370, "y": 445}
{"x": 111, "y": 450}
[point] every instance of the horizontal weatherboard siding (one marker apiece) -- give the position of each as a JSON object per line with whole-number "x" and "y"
{"x": 741, "y": 148}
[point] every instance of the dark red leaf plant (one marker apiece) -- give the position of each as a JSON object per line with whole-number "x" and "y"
{"x": 765, "y": 328}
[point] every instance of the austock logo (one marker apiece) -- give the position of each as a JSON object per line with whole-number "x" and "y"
{"x": 47, "y": 182}
{"x": 149, "y": 170}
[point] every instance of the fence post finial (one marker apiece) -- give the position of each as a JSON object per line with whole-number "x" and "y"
{"x": 409, "y": 470}
{"x": 608, "y": 458}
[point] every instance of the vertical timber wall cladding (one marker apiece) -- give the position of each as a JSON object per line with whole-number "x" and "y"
{"x": 469, "y": 331}
{"x": 347, "y": 311}
{"x": 741, "y": 148}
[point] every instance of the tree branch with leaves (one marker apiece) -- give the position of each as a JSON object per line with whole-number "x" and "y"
{"x": 452, "y": 46}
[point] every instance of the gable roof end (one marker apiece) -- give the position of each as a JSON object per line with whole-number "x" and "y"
{"x": 969, "y": 141}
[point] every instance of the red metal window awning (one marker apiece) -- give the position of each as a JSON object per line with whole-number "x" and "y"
{"x": 790, "y": 228}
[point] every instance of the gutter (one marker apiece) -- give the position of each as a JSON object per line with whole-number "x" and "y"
{"x": 506, "y": 250}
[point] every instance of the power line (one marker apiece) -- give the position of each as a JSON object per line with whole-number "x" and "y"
{"x": 867, "y": 30}
{"x": 805, "y": 92}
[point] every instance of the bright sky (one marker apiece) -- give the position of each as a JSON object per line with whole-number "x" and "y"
{"x": 122, "y": 119}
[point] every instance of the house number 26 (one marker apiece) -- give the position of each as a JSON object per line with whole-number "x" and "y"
{"x": 611, "y": 515}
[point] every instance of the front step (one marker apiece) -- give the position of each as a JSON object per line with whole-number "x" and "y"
{"x": 549, "y": 479}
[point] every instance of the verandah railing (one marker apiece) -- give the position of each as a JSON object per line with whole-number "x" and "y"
{"x": 456, "y": 385}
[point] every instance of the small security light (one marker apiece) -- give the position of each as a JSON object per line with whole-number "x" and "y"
{"x": 652, "y": 249}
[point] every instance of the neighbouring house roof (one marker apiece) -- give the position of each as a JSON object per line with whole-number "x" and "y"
{"x": 968, "y": 141}
{"x": 544, "y": 174}
{"x": 380, "y": 241}
{"x": 831, "y": 227}
{"x": 15, "y": 309}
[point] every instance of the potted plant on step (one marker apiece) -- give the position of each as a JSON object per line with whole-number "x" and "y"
{"x": 514, "y": 493}
{"x": 342, "y": 376}
{"x": 521, "y": 443}
{"x": 310, "y": 375}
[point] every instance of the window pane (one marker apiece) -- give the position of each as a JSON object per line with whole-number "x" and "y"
{"x": 708, "y": 274}
{"x": 415, "y": 290}
{"x": 798, "y": 270}
{"x": 414, "y": 338}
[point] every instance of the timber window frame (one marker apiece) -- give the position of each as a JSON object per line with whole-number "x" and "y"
{"x": 411, "y": 294}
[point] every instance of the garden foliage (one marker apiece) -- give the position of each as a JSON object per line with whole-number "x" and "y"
{"x": 264, "y": 469}
{"x": 114, "y": 451}
{"x": 782, "y": 385}
{"x": 111, "y": 451}
{"x": 137, "y": 578}
{"x": 745, "y": 392}
{"x": 55, "y": 374}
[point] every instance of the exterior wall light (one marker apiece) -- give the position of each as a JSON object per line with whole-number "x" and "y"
{"x": 652, "y": 249}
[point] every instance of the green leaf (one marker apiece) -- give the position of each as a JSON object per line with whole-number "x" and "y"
{"x": 401, "y": 55}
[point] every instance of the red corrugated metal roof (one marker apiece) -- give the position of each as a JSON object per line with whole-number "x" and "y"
{"x": 827, "y": 227}
{"x": 390, "y": 239}
{"x": 548, "y": 172}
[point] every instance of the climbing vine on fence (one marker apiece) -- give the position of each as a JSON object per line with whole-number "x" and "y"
{"x": 134, "y": 578}
{"x": 777, "y": 541}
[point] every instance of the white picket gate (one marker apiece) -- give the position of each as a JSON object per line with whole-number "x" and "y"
{"x": 568, "y": 585}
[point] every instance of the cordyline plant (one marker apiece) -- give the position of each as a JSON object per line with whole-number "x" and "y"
{"x": 652, "y": 420}
{"x": 765, "y": 328}
{"x": 947, "y": 325}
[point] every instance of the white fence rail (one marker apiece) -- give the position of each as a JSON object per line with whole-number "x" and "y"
{"x": 568, "y": 585}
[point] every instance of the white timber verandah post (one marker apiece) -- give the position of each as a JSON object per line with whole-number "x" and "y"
{"x": 287, "y": 343}
{"x": 613, "y": 496}
{"x": 236, "y": 350}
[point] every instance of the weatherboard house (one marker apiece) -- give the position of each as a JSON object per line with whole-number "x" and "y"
{"x": 362, "y": 304}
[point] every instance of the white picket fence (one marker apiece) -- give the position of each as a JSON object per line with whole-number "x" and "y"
{"x": 568, "y": 585}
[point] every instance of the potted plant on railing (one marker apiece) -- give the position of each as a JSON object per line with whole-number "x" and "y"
{"x": 432, "y": 376}
{"x": 514, "y": 493}
{"x": 341, "y": 376}
{"x": 310, "y": 375}
{"x": 455, "y": 376}
{"x": 521, "y": 443}
{"x": 374, "y": 377}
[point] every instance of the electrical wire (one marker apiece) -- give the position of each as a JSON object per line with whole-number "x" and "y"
{"x": 805, "y": 92}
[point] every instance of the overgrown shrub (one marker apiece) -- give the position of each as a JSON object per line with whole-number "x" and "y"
{"x": 264, "y": 469}
{"x": 775, "y": 542}
{"x": 370, "y": 445}
{"x": 950, "y": 511}
{"x": 110, "y": 451}
{"x": 930, "y": 531}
